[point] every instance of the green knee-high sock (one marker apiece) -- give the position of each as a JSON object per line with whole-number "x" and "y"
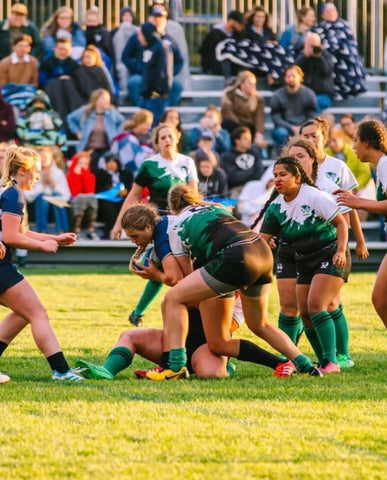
{"x": 152, "y": 289}
{"x": 302, "y": 363}
{"x": 311, "y": 335}
{"x": 177, "y": 358}
{"x": 292, "y": 326}
{"x": 325, "y": 330}
{"x": 341, "y": 328}
{"x": 118, "y": 359}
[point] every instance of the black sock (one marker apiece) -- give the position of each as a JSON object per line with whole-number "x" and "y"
{"x": 58, "y": 362}
{"x": 3, "y": 346}
{"x": 249, "y": 352}
{"x": 164, "y": 360}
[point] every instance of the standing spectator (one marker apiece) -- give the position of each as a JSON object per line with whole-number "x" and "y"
{"x": 53, "y": 184}
{"x": 130, "y": 146}
{"x": 61, "y": 25}
{"x": 7, "y": 120}
{"x": 56, "y": 77}
{"x": 96, "y": 124}
{"x": 291, "y": 105}
{"x": 348, "y": 125}
{"x": 294, "y": 35}
{"x": 111, "y": 176}
{"x": 17, "y": 24}
{"x": 40, "y": 124}
{"x": 243, "y": 163}
{"x": 317, "y": 65}
{"x": 212, "y": 179}
{"x": 92, "y": 74}
{"x": 243, "y": 105}
{"x": 338, "y": 39}
{"x": 120, "y": 37}
{"x": 212, "y": 120}
{"x": 81, "y": 181}
{"x": 19, "y": 67}
{"x": 233, "y": 28}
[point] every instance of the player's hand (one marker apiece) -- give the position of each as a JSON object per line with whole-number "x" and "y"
{"x": 49, "y": 246}
{"x": 68, "y": 238}
{"x": 339, "y": 260}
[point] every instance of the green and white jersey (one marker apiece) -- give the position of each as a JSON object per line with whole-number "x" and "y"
{"x": 338, "y": 172}
{"x": 381, "y": 179}
{"x": 305, "y": 221}
{"x": 327, "y": 185}
{"x": 203, "y": 230}
{"x": 159, "y": 175}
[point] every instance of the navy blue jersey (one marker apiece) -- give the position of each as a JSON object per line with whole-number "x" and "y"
{"x": 11, "y": 201}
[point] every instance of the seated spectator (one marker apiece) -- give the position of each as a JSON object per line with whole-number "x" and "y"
{"x": 171, "y": 30}
{"x": 317, "y": 65}
{"x": 95, "y": 125}
{"x": 243, "y": 105}
{"x": 206, "y": 144}
{"x": 98, "y": 35}
{"x": 40, "y": 124}
{"x": 138, "y": 63}
{"x": 339, "y": 148}
{"x": 17, "y": 24}
{"x": 291, "y": 105}
{"x": 348, "y": 125}
{"x": 294, "y": 35}
{"x": 133, "y": 145}
{"x": 172, "y": 116}
{"x": 233, "y": 28}
{"x": 338, "y": 39}
{"x": 108, "y": 177}
{"x": 243, "y": 163}
{"x": 19, "y": 67}
{"x": 51, "y": 190}
{"x": 211, "y": 120}
{"x": 7, "y": 120}
{"x": 82, "y": 181}
{"x": 212, "y": 179}
{"x": 61, "y": 25}
{"x": 120, "y": 37}
{"x": 92, "y": 74}
{"x": 56, "y": 77}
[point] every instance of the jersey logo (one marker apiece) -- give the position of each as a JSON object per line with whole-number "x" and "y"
{"x": 306, "y": 210}
{"x": 333, "y": 177}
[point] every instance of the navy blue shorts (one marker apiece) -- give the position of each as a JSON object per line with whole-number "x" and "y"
{"x": 9, "y": 276}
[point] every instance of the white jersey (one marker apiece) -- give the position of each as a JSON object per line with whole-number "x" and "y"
{"x": 328, "y": 186}
{"x": 338, "y": 172}
{"x": 381, "y": 179}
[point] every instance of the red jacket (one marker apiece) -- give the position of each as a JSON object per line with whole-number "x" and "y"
{"x": 80, "y": 183}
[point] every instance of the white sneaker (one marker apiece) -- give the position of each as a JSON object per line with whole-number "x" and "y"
{"x": 70, "y": 375}
{"x": 4, "y": 378}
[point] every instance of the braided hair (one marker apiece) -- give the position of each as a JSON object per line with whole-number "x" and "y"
{"x": 293, "y": 166}
{"x": 374, "y": 133}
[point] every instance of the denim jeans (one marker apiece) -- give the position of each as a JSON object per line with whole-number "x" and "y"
{"x": 280, "y": 135}
{"x": 157, "y": 106}
{"x": 42, "y": 208}
{"x": 135, "y": 87}
{"x": 323, "y": 101}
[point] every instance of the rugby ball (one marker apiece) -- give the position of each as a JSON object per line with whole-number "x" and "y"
{"x": 143, "y": 259}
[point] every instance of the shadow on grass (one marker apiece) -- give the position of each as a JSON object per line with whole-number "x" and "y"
{"x": 31, "y": 383}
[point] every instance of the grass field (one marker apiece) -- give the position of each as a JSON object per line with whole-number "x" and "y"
{"x": 253, "y": 426}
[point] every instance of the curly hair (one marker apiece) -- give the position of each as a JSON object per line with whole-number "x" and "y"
{"x": 374, "y": 133}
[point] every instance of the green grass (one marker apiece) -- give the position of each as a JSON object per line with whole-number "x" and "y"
{"x": 251, "y": 427}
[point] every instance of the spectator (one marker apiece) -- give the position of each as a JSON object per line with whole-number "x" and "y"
{"x": 56, "y": 77}
{"x": 206, "y": 143}
{"x": 243, "y": 163}
{"x": 291, "y": 105}
{"x": 212, "y": 120}
{"x": 19, "y": 67}
{"x": 174, "y": 31}
{"x": 95, "y": 125}
{"x": 108, "y": 177}
{"x": 51, "y": 189}
{"x": 98, "y": 35}
{"x": 294, "y": 35}
{"x": 92, "y": 74}
{"x": 130, "y": 146}
{"x": 136, "y": 57}
{"x": 82, "y": 186}
{"x": 40, "y": 124}
{"x": 233, "y": 28}
{"x": 317, "y": 65}
{"x": 61, "y": 25}
{"x": 17, "y": 24}
{"x": 212, "y": 179}
{"x": 243, "y": 105}
{"x": 7, "y": 120}
{"x": 120, "y": 37}
{"x": 338, "y": 39}
{"x": 348, "y": 125}
{"x": 172, "y": 116}
{"x": 258, "y": 26}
